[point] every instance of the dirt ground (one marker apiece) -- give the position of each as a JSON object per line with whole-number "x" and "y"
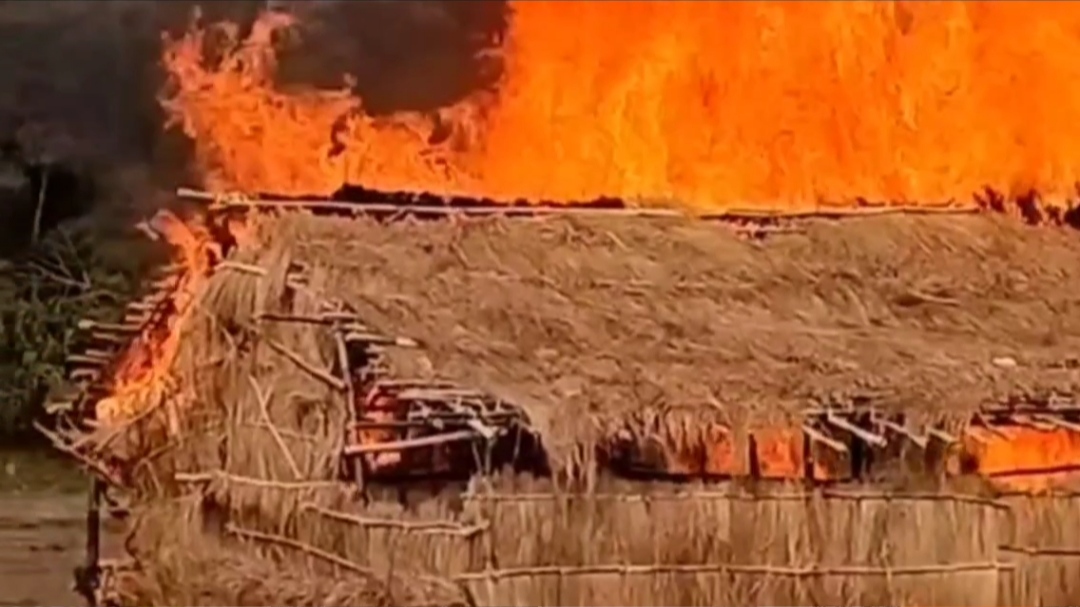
{"x": 42, "y": 537}
{"x": 42, "y": 528}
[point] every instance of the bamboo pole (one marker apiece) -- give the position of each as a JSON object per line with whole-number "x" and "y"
{"x": 218, "y": 201}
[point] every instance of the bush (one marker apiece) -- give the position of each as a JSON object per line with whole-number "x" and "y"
{"x": 86, "y": 268}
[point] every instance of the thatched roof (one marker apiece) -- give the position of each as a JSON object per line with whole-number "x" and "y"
{"x": 584, "y": 320}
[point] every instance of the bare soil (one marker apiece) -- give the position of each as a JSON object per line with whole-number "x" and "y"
{"x": 42, "y": 535}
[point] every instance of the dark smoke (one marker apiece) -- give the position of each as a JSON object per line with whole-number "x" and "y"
{"x": 82, "y": 75}
{"x": 79, "y": 78}
{"x": 403, "y": 55}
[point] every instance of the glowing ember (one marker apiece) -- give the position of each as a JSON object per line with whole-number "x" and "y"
{"x": 715, "y": 104}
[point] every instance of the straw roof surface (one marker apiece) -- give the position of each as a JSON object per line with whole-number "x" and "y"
{"x": 583, "y": 320}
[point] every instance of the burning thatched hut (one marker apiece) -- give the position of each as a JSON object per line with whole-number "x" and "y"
{"x": 305, "y": 360}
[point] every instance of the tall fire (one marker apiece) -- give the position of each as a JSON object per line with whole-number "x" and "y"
{"x": 708, "y": 107}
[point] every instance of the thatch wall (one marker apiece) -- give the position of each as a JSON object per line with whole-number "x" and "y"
{"x": 1044, "y": 549}
{"x": 530, "y": 544}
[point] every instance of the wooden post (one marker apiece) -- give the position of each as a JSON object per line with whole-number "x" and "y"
{"x": 88, "y": 575}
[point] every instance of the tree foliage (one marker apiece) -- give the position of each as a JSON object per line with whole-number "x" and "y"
{"x": 86, "y": 268}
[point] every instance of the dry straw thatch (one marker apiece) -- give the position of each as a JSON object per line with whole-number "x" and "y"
{"x": 582, "y": 321}
{"x": 586, "y": 324}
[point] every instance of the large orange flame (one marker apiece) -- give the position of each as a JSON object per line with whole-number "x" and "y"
{"x": 713, "y": 104}
{"x": 145, "y": 364}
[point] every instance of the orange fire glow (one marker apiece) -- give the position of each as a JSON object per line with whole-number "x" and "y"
{"x": 1024, "y": 458}
{"x": 145, "y": 363}
{"x": 779, "y": 105}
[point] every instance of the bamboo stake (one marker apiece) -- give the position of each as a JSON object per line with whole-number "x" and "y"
{"x": 205, "y": 477}
{"x": 90, "y": 325}
{"x": 381, "y": 340}
{"x": 350, "y": 400}
{"x": 263, "y": 399}
{"x": 84, "y": 373}
{"x": 439, "y": 394}
{"x": 920, "y": 441}
{"x": 412, "y": 443}
{"x": 866, "y": 436}
{"x": 245, "y": 268}
{"x": 818, "y": 437}
{"x": 310, "y": 368}
{"x": 87, "y": 359}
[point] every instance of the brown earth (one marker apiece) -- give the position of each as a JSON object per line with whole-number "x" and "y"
{"x": 42, "y": 536}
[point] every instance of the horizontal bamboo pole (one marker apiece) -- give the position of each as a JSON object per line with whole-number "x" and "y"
{"x": 411, "y": 443}
{"x": 444, "y": 527}
{"x": 829, "y": 494}
{"x": 226, "y": 202}
{"x": 768, "y": 570}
